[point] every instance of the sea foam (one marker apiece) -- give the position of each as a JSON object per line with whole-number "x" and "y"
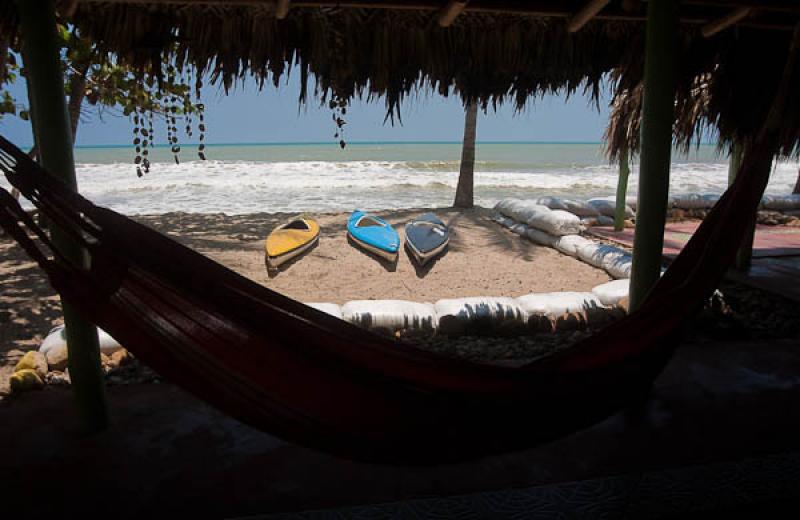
{"x": 246, "y": 186}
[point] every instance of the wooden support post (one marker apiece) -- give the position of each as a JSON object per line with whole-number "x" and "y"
{"x": 735, "y": 161}
{"x": 281, "y": 9}
{"x": 744, "y": 255}
{"x": 53, "y": 136}
{"x": 656, "y": 148}
{"x": 451, "y": 11}
{"x": 622, "y": 190}
{"x": 585, "y": 14}
{"x": 720, "y": 24}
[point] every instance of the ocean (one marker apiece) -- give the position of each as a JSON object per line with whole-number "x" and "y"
{"x": 321, "y": 177}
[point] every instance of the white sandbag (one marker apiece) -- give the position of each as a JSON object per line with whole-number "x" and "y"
{"x": 608, "y": 207}
{"x": 390, "y": 315}
{"x": 551, "y": 202}
{"x": 619, "y": 266}
{"x": 526, "y": 211}
{"x": 480, "y": 315}
{"x": 519, "y": 229}
{"x": 540, "y": 237}
{"x": 519, "y": 210}
{"x": 328, "y": 308}
{"x": 569, "y": 244}
{"x": 557, "y": 303}
{"x": 555, "y": 222}
{"x": 563, "y": 310}
{"x": 57, "y": 337}
{"x": 695, "y": 201}
{"x": 781, "y": 202}
{"x": 613, "y": 292}
{"x": 504, "y": 206}
{"x": 600, "y": 255}
{"x": 503, "y": 220}
{"x": 579, "y": 207}
{"x": 615, "y": 261}
{"x": 600, "y": 220}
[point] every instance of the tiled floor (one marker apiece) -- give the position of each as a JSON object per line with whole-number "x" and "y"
{"x": 767, "y": 485}
{"x": 776, "y": 254}
{"x": 770, "y": 241}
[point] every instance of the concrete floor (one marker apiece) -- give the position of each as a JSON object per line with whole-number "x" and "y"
{"x": 168, "y": 453}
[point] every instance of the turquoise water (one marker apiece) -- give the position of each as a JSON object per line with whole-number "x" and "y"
{"x": 322, "y": 177}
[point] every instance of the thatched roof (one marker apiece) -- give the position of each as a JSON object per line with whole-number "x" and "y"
{"x": 724, "y": 91}
{"x": 500, "y": 51}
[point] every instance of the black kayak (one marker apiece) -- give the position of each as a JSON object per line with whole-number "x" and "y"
{"x": 426, "y": 237}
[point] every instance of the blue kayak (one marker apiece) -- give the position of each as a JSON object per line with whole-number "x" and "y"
{"x": 374, "y": 235}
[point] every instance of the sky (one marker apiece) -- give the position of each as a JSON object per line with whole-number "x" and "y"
{"x": 247, "y": 115}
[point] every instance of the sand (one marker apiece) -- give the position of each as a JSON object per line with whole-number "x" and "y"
{"x": 483, "y": 259}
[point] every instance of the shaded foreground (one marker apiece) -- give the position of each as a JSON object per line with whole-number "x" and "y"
{"x": 168, "y": 453}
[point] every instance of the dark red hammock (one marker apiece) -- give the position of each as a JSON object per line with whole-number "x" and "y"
{"x": 307, "y": 377}
{"x": 298, "y": 373}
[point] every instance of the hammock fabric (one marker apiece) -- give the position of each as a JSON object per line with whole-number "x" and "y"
{"x": 310, "y": 378}
{"x": 316, "y": 380}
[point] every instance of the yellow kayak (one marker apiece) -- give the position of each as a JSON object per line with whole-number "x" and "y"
{"x": 290, "y": 240}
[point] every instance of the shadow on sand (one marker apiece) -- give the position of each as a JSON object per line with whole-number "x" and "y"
{"x": 423, "y": 270}
{"x": 390, "y": 266}
{"x": 272, "y": 272}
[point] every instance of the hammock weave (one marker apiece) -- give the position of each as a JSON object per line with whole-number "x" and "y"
{"x": 313, "y": 379}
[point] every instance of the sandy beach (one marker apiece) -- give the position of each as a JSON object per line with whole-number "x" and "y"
{"x": 483, "y": 259}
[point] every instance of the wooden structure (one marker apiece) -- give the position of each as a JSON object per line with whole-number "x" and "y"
{"x": 692, "y": 62}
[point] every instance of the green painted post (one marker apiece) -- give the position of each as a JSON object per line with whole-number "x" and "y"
{"x": 744, "y": 255}
{"x": 735, "y": 162}
{"x": 657, "y": 118}
{"x": 53, "y": 135}
{"x": 622, "y": 190}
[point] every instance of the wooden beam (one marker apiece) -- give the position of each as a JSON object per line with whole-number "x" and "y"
{"x": 658, "y": 114}
{"x": 692, "y": 11}
{"x": 281, "y": 9}
{"x": 586, "y": 13}
{"x": 53, "y": 134}
{"x": 451, "y": 11}
{"x": 720, "y": 24}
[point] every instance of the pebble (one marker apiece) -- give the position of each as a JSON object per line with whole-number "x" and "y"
{"x": 35, "y": 361}
{"x": 25, "y": 379}
{"x": 57, "y": 357}
{"x": 57, "y": 378}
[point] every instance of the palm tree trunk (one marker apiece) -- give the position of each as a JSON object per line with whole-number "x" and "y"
{"x": 77, "y": 93}
{"x": 464, "y": 190}
{"x": 622, "y": 190}
{"x": 796, "y": 190}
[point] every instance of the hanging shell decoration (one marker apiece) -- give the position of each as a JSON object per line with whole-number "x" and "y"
{"x": 172, "y": 99}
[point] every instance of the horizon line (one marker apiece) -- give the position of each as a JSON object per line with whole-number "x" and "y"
{"x": 336, "y": 144}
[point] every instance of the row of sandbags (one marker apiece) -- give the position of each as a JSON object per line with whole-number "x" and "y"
{"x": 487, "y": 314}
{"x": 600, "y": 207}
{"x": 556, "y": 222}
{"x": 614, "y": 260}
{"x": 455, "y": 316}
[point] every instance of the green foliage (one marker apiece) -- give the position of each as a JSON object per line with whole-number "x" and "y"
{"x": 8, "y": 75}
{"x": 108, "y": 84}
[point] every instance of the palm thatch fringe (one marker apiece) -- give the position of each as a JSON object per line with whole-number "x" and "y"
{"x": 725, "y": 82}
